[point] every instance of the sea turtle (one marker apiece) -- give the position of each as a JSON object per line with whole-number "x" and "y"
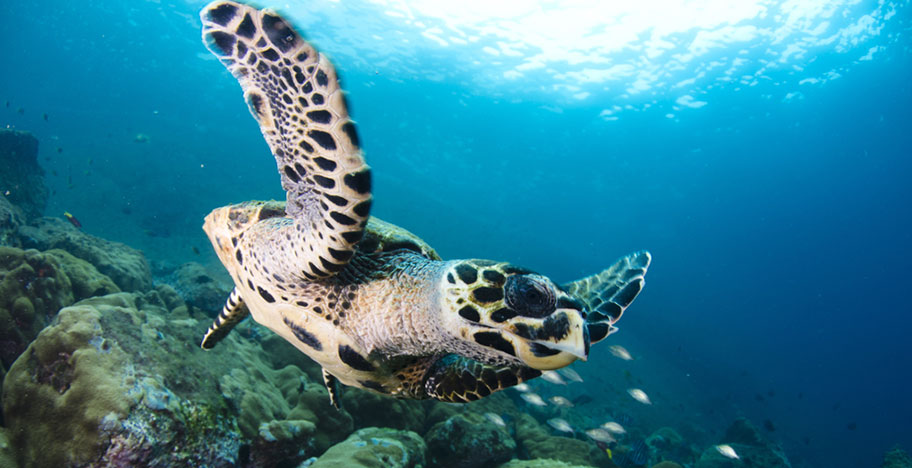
{"x": 370, "y": 302}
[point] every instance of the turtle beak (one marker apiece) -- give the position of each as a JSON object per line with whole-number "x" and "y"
{"x": 557, "y": 342}
{"x": 576, "y": 343}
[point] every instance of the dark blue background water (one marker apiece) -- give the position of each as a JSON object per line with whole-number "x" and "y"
{"x": 780, "y": 229}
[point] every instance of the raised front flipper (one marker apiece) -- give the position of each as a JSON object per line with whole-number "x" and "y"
{"x": 607, "y": 294}
{"x": 232, "y": 313}
{"x": 294, "y": 94}
{"x": 456, "y": 379}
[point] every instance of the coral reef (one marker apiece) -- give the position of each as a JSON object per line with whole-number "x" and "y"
{"x": 33, "y": 287}
{"x": 468, "y": 441}
{"x": 126, "y": 266}
{"x": 666, "y": 464}
{"x": 80, "y": 395}
{"x": 896, "y": 458}
{"x": 540, "y": 463}
{"x": 666, "y": 444}
{"x": 752, "y": 448}
{"x": 21, "y": 178}
{"x": 120, "y": 380}
{"x": 536, "y": 442}
{"x": 371, "y": 410}
{"x": 10, "y": 220}
{"x": 86, "y": 281}
{"x": 198, "y": 288}
{"x": 374, "y": 447}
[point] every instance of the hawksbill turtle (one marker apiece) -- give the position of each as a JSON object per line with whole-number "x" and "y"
{"x": 372, "y": 303}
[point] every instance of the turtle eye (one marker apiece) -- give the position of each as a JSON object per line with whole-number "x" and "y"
{"x": 528, "y": 296}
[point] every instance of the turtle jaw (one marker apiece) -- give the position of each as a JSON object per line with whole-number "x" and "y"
{"x": 558, "y": 342}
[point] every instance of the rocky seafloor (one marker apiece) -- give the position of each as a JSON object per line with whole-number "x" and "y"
{"x": 101, "y": 367}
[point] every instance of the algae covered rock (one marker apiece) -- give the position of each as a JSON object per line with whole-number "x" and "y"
{"x": 82, "y": 396}
{"x": 33, "y": 288}
{"x": 468, "y": 440}
{"x": 198, "y": 288}
{"x": 897, "y": 458}
{"x": 20, "y": 174}
{"x": 10, "y": 220}
{"x": 262, "y": 395}
{"x": 7, "y": 453}
{"x": 540, "y": 463}
{"x": 85, "y": 280}
{"x": 126, "y": 266}
{"x": 536, "y": 442}
{"x": 666, "y": 444}
{"x": 372, "y": 410}
{"x": 750, "y": 445}
{"x": 374, "y": 447}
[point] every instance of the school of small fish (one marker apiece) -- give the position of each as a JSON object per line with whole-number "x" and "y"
{"x": 561, "y": 401}
{"x": 553, "y": 377}
{"x": 560, "y": 425}
{"x": 570, "y": 374}
{"x": 496, "y": 419}
{"x": 600, "y": 435}
{"x": 621, "y": 352}
{"x": 639, "y": 395}
{"x": 534, "y": 399}
{"x": 614, "y": 428}
{"x": 727, "y": 451}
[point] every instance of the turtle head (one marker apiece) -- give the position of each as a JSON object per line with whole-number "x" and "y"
{"x": 515, "y": 312}
{"x": 226, "y": 226}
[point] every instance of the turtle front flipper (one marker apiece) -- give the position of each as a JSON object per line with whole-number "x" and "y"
{"x": 232, "y": 313}
{"x": 609, "y": 293}
{"x": 457, "y": 379}
{"x": 294, "y": 94}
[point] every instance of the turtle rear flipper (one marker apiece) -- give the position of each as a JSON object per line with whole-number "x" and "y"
{"x": 232, "y": 313}
{"x": 607, "y": 294}
{"x": 294, "y": 94}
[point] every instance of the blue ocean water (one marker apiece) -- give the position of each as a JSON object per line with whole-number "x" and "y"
{"x": 763, "y": 158}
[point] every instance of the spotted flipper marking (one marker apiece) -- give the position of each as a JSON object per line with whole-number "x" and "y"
{"x": 332, "y": 386}
{"x": 294, "y": 94}
{"x": 457, "y": 379}
{"x": 609, "y": 293}
{"x": 232, "y": 313}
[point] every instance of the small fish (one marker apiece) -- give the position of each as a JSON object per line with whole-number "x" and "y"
{"x": 727, "y": 451}
{"x": 72, "y": 219}
{"x": 45, "y": 116}
{"x": 553, "y": 377}
{"x": 614, "y": 428}
{"x": 639, "y": 395}
{"x": 560, "y": 425}
{"x": 621, "y": 352}
{"x": 59, "y": 149}
{"x": 195, "y": 250}
{"x": 496, "y": 419}
{"x": 20, "y": 111}
{"x": 560, "y": 401}
{"x": 600, "y": 435}
{"x": 533, "y": 399}
{"x": 522, "y": 387}
{"x": 141, "y": 138}
{"x": 570, "y": 374}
